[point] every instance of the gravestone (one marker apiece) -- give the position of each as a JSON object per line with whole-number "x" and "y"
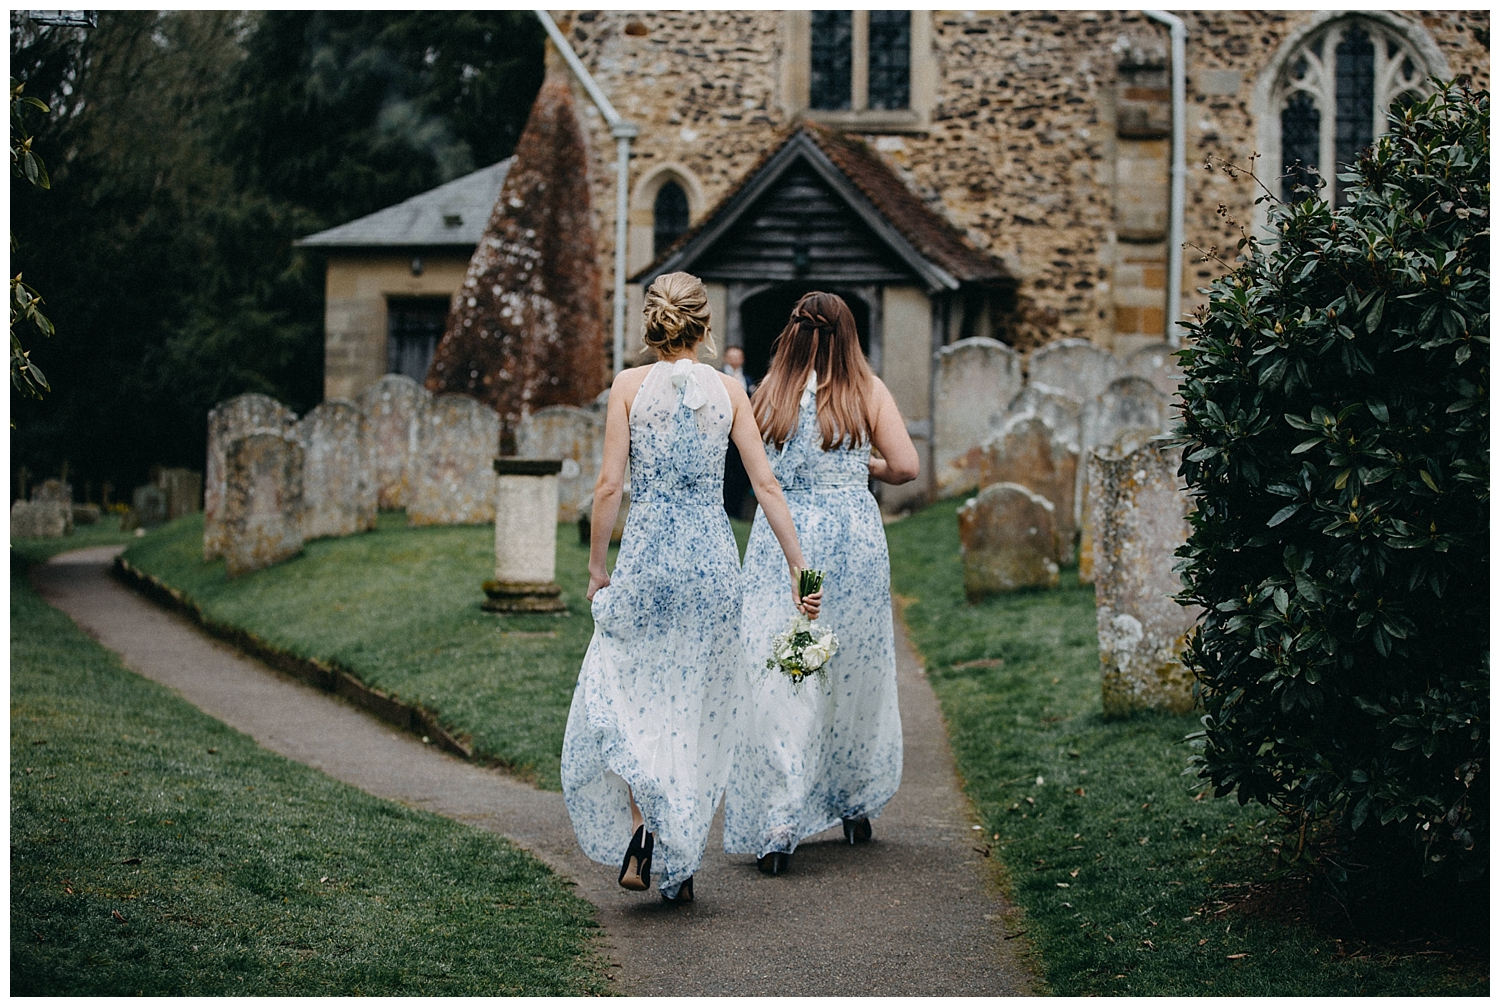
{"x": 574, "y": 435}
{"x": 52, "y": 491}
{"x": 393, "y": 408}
{"x": 976, "y": 378}
{"x": 229, "y": 420}
{"x": 1140, "y": 513}
{"x": 1128, "y": 403}
{"x": 262, "y": 511}
{"x": 525, "y": 537}
{"x": 39, "y": 519}
{"x": 453, "y": 478}
{"x": 1125, "y": 442}
{"x": 1075, "y": 366}
{"x": 1060, "y": 410}
{"x": 183, "y": 489}
{"x": 87, "y": 513}
{"x": 148, "y": 507}
{"x": 1008, "y": 538}
{"x": 1028, "y": 452}
{"x": 1157, "y": 363}
{"x": 338, "y": 478}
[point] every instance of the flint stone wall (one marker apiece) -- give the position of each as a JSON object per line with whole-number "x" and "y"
{"x": 1008, "y": 538}
{"x": 577, "y": 437}
{"x": 1140, "y": 513}
{"x": 229, "y": 420}
{"x": 976, "y": 378}
{"x": 1029, "y": 453}
{"x": 393, "y": 407}
{"x": 40, "y": 519}
{"x": 262, "y": 509}
{"x": 453, "y": 482}
{"x": 338, "y": 478}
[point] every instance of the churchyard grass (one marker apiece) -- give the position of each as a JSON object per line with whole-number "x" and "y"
{"x": 155, "y": 850}
{"x": 104, "y": 532}
{"x": 1119, "y": 862}
{"x": 399, "y": 608}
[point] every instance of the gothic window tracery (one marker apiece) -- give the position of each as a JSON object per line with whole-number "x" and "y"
{"x": 859, "y": 60}
{"x": 1333, "y": 96}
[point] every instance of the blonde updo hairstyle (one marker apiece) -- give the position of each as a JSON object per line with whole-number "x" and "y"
{"x": 676, "y": 315}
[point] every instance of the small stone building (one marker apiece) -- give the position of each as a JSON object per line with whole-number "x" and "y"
{"x": 390, "y": 278}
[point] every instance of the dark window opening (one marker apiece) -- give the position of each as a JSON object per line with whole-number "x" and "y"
{"x": 1354, "y": 99}
{"x": 832, "y": 59}
{"x": 414, "y": 326}
{"x": 763, "y": 316}
{"x": 890, "y": 59}
{"x": 669, "y": 217}
{"x": 1300, "y": 131}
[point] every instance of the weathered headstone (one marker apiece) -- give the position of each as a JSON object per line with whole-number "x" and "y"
{"x": 1076, "y": 366}
{"x": 148, "y": 507}
{"x": 1140, "y": 509}
{"x": 1028, "y": 452}
{"x": 393, "y": 407}
{"x": 1008, "y": 538}
{"x": 52, "y": 491}
{"x": 525, "y": 538}
{"x": 1157, "y": 363}
{"x": 453, "y": 469}
{"x": 574, "y": 435}
{"x": 183, "y": 489}
{"x": 1125, "y": 442}
{"x": 1128, "y": 403}
{"x": 230, "y": 420}
{"x": 976, "y": 378}
{"x": 262, "y": 501}
{"x": 338, "y": 479}
{"x": 39, "y": 519}
{"x": 86, "y": 513}
{"x": 1060, "y": 410}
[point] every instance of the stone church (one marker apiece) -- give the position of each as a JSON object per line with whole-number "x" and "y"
{"x": 970, "y": 173}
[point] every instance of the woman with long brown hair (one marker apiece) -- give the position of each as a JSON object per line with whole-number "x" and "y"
{"x": 828, "y": 750}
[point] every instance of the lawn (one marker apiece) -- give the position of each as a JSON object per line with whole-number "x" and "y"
{"x": 1129, "y": 873}
{"x": 399, "y": 608}
{"x": 155, "y": 850}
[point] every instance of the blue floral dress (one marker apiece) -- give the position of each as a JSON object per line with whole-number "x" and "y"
{"x": 663, "y": 678}
{"x": 829, "y": 748}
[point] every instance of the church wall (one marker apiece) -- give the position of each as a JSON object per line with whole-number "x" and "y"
{"x": 1020, "y": 149}
{"x": 354, "y": 314}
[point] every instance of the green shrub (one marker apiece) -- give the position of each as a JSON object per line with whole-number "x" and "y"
{"x": 1336, "y": 422}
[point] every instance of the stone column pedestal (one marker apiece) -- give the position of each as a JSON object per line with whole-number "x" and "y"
{"x": 525, "y": 538}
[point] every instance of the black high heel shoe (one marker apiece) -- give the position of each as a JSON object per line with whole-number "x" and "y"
{"x": 684, "y": 894}
{"x": 857, "y": 830}
{"x": 635, "y": 869}
{"x": 774, "y": 863}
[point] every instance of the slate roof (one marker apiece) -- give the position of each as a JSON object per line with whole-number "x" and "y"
{"x": 912, "y": 227}
{"x": 453, "y": 214}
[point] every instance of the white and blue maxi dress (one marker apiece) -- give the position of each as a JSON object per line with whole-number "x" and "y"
{"x": 663, "y": 678}
{"x": 829, "y": 748}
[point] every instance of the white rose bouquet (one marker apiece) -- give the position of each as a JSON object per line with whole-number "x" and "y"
{"x": 800, "y": 650}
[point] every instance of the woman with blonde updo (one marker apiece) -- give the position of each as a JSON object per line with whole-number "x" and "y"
{"x": 652, "y": 727}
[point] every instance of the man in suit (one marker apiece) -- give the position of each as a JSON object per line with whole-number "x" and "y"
{"x": 736, "y": 481}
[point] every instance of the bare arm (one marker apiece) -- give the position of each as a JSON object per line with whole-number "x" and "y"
{"x": 611, "y": 483}
{"x": 767, "y": 490}
{"x": 897, "y": 462}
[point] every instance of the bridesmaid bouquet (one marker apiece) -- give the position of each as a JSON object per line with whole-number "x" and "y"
{"x": 798, "y": 650}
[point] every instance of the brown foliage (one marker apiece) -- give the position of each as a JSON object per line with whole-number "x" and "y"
{"x": 525, "y": 330}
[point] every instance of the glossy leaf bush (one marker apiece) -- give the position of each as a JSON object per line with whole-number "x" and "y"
{"x": 1336, "y": 430}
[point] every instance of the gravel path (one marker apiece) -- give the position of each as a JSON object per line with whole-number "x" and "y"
{"x": 909, "y": 914}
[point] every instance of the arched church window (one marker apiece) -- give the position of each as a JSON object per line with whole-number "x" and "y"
{"x": 669, "y": 216}
{"x": 1333, "y": 96}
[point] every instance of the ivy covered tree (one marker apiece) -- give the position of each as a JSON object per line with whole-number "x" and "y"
{"x": 1336, "y": 421}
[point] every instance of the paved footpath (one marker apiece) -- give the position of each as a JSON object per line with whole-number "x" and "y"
{"x": 909, "y": 914}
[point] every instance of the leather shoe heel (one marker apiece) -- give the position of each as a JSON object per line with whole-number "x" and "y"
{"x": 774, "y": 863}
{"x": 684, "y": 894}
{"x": 857, "y": 830}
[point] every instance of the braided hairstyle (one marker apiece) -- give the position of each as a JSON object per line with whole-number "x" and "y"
{"x": 676, "y": 315}
{"x": 819, "y": 336}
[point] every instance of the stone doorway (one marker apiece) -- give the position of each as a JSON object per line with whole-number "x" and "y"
{"x": 763, "y": 315}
